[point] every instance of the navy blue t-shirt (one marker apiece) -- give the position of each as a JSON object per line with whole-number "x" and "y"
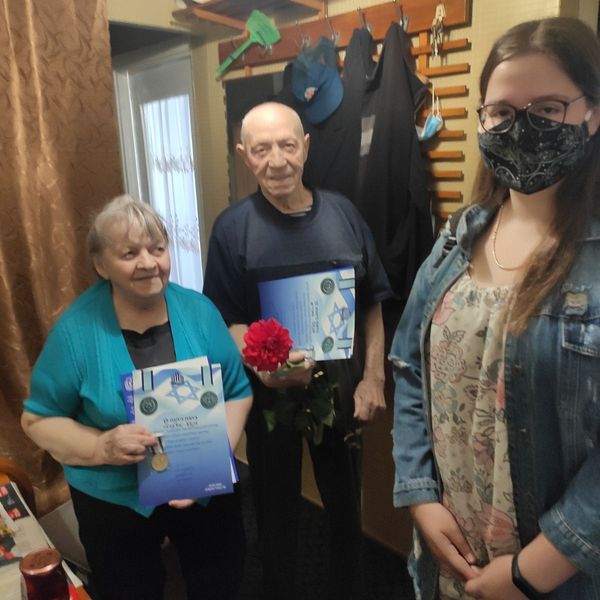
{"x": 252, "y": 241}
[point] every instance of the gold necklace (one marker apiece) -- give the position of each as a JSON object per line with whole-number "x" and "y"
{"x": 494, "y": 235}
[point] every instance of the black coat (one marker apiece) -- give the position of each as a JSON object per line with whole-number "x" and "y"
{"x": 388, "y": 182}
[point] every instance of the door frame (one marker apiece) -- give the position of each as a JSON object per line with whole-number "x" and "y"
{"x": 123, "y": 66}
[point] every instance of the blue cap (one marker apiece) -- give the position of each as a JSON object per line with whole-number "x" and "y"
{"x": 316, "y": 81}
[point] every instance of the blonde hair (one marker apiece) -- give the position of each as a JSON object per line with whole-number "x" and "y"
{"x": 128, "y": 212}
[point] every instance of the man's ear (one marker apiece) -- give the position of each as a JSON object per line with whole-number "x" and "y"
{"x": 241, "y": 150}
{"x": 306, "y": 146}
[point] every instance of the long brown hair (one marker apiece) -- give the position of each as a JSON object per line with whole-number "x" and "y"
{"x": 575, "y": 47}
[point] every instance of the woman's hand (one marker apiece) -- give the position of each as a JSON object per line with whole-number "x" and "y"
{"x": 445, "y": 539}
{"x": 124, "y": 445}
{"x": 181, "y": 503}
{"x": 494, "y": 581}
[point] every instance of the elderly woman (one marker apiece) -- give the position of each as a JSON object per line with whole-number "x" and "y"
{"x": 134, "y": 318}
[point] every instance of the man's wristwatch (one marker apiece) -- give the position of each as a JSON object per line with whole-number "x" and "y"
{"x": 521, "y": 583}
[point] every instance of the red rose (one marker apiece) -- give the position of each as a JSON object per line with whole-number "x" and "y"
{"x": 268, "y": 345}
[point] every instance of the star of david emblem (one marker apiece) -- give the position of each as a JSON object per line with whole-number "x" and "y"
{"x": 337, "y": 318}
{"x": 184, "y": 391}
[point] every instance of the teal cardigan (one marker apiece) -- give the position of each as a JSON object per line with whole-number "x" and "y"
{"x": 77, "y": 374}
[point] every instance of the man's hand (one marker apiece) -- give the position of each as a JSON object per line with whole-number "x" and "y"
{"x": 297, "y": 376}
{"x": 494, "y": 581}
{"x": 445, "y": 539}
{"x": 369, "y": 400}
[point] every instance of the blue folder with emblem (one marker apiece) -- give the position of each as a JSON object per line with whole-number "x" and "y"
{"x": 182, "y": 403}
{"x": 318, "y": 310}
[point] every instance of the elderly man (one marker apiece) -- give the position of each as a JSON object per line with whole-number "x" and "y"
{"x": 286, "y": 229}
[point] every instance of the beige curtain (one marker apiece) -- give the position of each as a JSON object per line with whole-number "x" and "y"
{"x": 59, "y": 163}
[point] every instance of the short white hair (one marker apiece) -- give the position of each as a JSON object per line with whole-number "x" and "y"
{"x": 273, "y": 106}
{"x": 129, "y": 212}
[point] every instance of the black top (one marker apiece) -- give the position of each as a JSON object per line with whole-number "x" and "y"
{"x": 153, "y": 347}
{"x": 252, "y": 241}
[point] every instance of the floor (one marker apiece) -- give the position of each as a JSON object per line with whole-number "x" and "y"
{"x": 384, "y": 572}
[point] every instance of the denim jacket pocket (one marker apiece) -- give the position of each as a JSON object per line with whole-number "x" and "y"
{"x": 582, "y": 336}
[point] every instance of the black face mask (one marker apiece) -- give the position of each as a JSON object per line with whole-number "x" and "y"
{"x": 528, "y": 160}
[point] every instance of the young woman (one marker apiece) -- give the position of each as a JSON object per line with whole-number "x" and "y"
{"x": 497, "y": 355}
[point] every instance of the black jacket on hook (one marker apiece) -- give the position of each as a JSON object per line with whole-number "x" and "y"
{"x": 391, "y": 191}
{"x": 385, "y": 179}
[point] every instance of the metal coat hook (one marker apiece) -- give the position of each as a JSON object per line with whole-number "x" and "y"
{"x": 304, "y": 39}
{"x": 363, "y": 19}
{"x": 335, "y": 35}
{"x": 268, "y": 49}
{"x": 402, "y": 18}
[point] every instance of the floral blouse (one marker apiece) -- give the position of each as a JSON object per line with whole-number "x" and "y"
{"x": 470, "y": 440}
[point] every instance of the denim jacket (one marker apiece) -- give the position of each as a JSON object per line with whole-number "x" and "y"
{"x": 552, "y": 381}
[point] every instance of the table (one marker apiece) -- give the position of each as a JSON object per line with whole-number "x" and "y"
{"x": 4, "y": 479}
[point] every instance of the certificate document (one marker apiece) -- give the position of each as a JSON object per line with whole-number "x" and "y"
{"x": 317, "y": 309}
{"x": 183, "y": 405}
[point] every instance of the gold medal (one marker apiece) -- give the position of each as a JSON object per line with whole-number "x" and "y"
{"x": 160, "y": 462}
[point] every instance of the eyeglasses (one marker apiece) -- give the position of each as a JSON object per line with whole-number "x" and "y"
{"x": 543, "y": 115}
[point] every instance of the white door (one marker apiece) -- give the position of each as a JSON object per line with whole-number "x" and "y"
{"x": 155, "y": 106}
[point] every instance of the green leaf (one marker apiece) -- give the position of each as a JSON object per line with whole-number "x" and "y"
{"x": 321, "y": 406}
{"x": 308, "y": 413}
{"x": 270, "y": 419}
{"x": 329, "y": 419}
{"x": 285, "y": 410}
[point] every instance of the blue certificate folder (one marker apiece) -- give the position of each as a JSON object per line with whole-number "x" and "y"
{"x": 184, "y": 402}
{"x": 318, "y": 310}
